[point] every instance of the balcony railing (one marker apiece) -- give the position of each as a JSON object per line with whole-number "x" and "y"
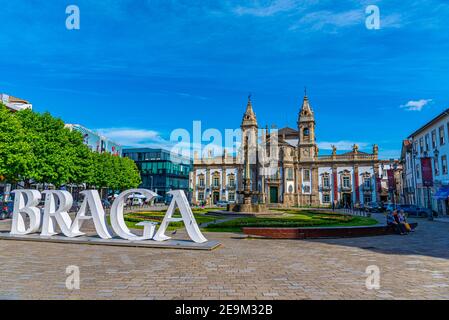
{"x": 216, "y": 187}
{"x": 200, "y": 186}
{"x": 346, "y": 188}
{"x": 231, "y": 186}
{"x": 326, "y": 188}
{"x": 367, "y": 188}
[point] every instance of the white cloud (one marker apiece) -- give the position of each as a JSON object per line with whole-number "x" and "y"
{"x": 136, "y": 138}
{"x": 273, "y": 8}
{"x": 391, "y": 21}
{"x": 142, "y": 138}
{"x": 319, "y": 19}
{"x": 416, "y": 105}
{"x": 341, "y": 145}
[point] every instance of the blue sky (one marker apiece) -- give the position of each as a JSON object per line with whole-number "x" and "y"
{"x": 137, "y": 69}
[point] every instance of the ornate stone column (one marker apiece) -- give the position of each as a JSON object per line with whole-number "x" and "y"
{"x": 315, "y": 187}
{"x": 208, "y": 187}
{"x": 223, "y": 183}
{"x": 356, "y": 184}
{"x": 335, "y": 183}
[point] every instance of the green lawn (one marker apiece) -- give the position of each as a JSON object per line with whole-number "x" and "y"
{"x": 134, "y": 218}
{"x": 291, "y": 218}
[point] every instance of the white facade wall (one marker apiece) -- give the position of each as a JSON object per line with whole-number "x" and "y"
{"x": 423, "y": 145}
{"x": 207, "y": 190}
{"x": 321, "y": 172}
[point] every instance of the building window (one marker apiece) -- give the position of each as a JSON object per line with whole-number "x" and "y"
{"x": 346, "y": 182}
{"x": 201, "y": 196}
{"x": 326, "y": 198}
{"x": 448, "y": 130}
{"x": 441, "y": 134}
{"x": 427, "y": 143}
{"x": 367, "y": 198}
{"x": 436, "y": 166}
{"x": 216, "y": 181}
{"x": 434, "y": 139}
{"x": 306, "y": 175}
{"x": 306, "y": 189}
{"x": 231, "y": 196}
{"x": 290, "y": 174}
{"x": 326, "y": 181}
{"x": 367, "y": 182}
{"x": 421, "y": 145}
{"x": 444, "y": 164}
{"x": 417, "y": 171}
{"x": 231, "y": 180}
{"x": 202, "y": 181}
{"x": 290, "y": 189}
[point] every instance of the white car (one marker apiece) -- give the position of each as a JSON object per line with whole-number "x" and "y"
{"x": 137, "y": 202}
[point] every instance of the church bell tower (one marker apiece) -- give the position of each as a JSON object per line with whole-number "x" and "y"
{"x": 307, "y": 148}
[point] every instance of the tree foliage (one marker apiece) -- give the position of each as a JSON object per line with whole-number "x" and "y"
{"x": 15, "y": 152}
{"x": 39, "y": 148}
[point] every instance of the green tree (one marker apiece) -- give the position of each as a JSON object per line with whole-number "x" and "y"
{"x": 59, "y": 155}
{"x": 39, "y": 148}
{"x": 15, "y": 152}
{"x": 130, "y": 174}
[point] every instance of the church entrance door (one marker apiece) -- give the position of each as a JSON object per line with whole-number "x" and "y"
{"x": 216, "y": 197}
{"x": 273, "y": 194}
{"x": 347, "y": 200}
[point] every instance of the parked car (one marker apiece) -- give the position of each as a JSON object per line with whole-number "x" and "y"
{"x": 137, "y": 202}
{"x": 374, "y": 207}
{"x": 222, "y": 204}
{"x": 413, "y": 210}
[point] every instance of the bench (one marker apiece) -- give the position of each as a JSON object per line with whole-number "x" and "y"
{"x": 320, "y": 232}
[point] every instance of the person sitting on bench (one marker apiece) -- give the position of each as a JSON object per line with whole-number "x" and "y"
{"x": 403, "y": 220}
{"x": 392, "y": 221}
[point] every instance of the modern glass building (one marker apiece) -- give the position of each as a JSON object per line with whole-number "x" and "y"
{"x": 161, "y": 170}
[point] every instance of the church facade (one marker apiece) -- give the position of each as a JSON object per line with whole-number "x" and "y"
{"x": 299, "y": 176}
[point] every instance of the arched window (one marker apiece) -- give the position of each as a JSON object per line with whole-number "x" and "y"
{"x": 231, "y": 178}
{"x": 306, "y": 132}
{"x": 216, "y": 180}
{"x": 201, "y": 180}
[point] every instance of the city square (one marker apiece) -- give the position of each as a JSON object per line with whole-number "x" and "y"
{"x": 238, "y": 151}
{"x": 411, "y": 267}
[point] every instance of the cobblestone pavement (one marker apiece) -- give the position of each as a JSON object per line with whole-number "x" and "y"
{"x": 414, "y": 266}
